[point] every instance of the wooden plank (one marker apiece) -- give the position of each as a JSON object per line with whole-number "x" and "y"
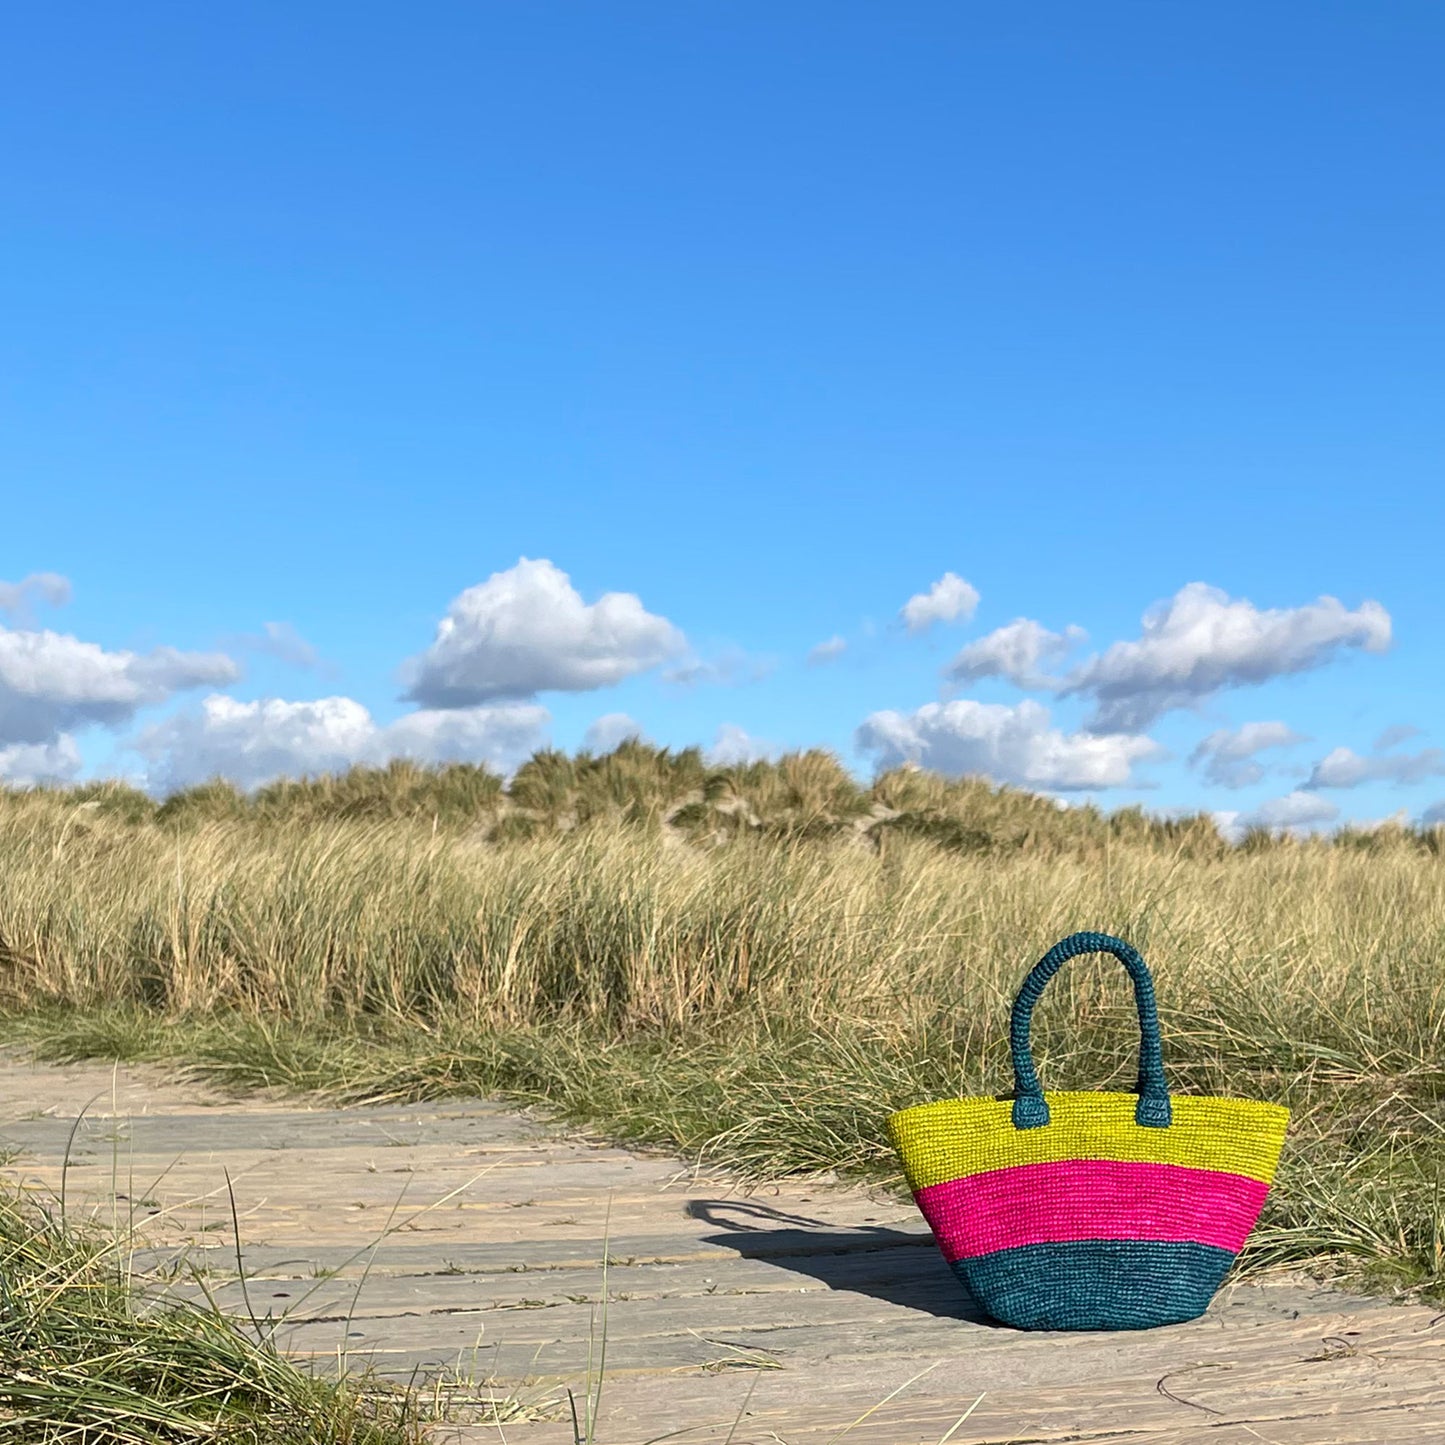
{"x": 1335, "y": 1409}
{"x": 808, "y": 1334}
{"x": 918, "y": 1275}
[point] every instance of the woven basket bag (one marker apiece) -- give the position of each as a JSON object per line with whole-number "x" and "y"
{"x": 1089, "y": 1210}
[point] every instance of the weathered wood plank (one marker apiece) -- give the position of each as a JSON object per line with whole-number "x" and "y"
{"x": 803, "y": 1334}
{"x": 1307, "y": 1402}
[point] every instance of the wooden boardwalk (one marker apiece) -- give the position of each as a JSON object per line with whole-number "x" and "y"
{"x": 808, "y": 1302}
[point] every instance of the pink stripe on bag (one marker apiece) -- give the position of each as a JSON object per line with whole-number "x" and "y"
{"x": 1090, "y": 1199}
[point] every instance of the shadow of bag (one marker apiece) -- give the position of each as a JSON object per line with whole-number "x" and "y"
{"x": 1088, "y": 1210}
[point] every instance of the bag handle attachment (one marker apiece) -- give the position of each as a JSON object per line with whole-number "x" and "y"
{"x": 1030, "y": 1108}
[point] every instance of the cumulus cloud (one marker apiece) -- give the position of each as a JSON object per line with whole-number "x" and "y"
{"x": 50, "y": 587}
{"x": 1015, "y": 651}
{"x": 734, "y": 745}
{"x": 252, "y": 743}
{"x": 834, "y": 647}
{"x": 948, "y": 600}
{"x": 1201, "y": 640}
{"x": 1229, "y": 757}
{"x": 1008, "y": 744}
{"x": 502, "y": 735}
{"x": 1227, "y": 821}
{"x": 609, "y": 732}
{"x": 1296, "y": 812}
{"x": 1293, "y": 810}
{"x": 52, "y": 683}
{"x": 1343, "y": 768}
{"x": 24, "y": 765}
{"x": 527, "y": 630}
{"x": 1400, "y": 818}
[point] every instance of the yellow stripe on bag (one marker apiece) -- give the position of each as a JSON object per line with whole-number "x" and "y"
{"x": 954, "y": 1138}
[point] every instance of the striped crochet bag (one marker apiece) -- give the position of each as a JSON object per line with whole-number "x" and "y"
{"x": 1088, "y": 1210}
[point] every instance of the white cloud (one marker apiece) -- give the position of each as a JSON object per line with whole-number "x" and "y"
{"x": 733, "y": 745}
{"x": 1201, "y": 640}
{"x": 1296, "y": 812}
{"x": 502, "y": 735}
{"x": 52, "y": 683}
{"x": 1014, "y": 651}
{"x": 609, "y": 732}
{"x": 1400, "y": 818}
{"x": 252, "y": 743}
{"x": 50, "y": 587}
{"x": 948, "y": 600}
{"x": 23, "y": 765}
{"x": 1343, "y": 768}
{"x": 826, "y": 651}
{"x": 1009, "y": 744}
{"x": 1229, "y": 756}
{"x": 1227, "y": 821}
{"x": 526, "y": 631}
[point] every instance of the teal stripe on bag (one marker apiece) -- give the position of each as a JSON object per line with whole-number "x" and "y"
{"x": 1096, "y": 1284}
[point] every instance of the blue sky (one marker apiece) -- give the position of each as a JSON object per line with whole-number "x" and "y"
{"x": 767, "y": 317}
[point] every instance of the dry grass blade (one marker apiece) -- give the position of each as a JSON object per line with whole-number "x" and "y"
{"x": 873, "y": 1409}
{"x": 960, "y": 1422}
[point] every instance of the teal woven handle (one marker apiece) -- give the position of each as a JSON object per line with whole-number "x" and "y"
{"x": 1031, "y": 1109}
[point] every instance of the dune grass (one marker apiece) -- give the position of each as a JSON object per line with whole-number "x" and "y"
{"x": 755, "y": 963}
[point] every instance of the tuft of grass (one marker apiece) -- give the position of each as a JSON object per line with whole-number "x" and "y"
{"x": 93, "y": 1350}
